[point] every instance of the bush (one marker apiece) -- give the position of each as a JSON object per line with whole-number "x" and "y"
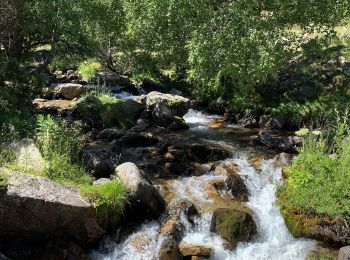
{"x": 57, "y": 138}
{"x": 319, "y": 177}
{"x": 88, "y": 69}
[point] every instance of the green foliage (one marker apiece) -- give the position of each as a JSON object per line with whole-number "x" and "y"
{"x": 63, "y": 62}
{"x": 56, "y": 137}
{"x": 3, "y": 180}
{"x": 59, "y": 144}
{"x": 317, "y": 180}
{"x": 108, "y": 198}
{"x": 61, "y": 168}
{"x": 88, "y": 69}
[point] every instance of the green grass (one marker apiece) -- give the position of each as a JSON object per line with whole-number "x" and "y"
{"x": 108, "y": 198}
{"x": 319, "y": 177}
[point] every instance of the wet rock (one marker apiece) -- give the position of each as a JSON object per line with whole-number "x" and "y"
{"x": 233, "y": 225}
{"x": 133, "y": 139}
{"x": 99, "y": 159}
{"x": 227, "y": 168}
{"x": 173, "y": 154}
{"x": 110, "y": 134}
{"x": 237, "y": 187}
{"x": 140, "y": 187}
{"x": 344, "y": 253}
{"x": 178, "y": 124}
{"x": 151, "y": 169}
{"x": 35, "y": 208}
{"x": 178, "y": 169}
{"x": 173, "y": 227}
{"x": 167, "y": 109}
{"x": 195, "y": 250}
{"x": 69, "y": 90}
{"x": 206, "y": 153}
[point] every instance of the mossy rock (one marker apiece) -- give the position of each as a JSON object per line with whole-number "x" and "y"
{"x": 298, "y": 224}
{"x": 106, "y": 111}
{"x": 320, "y": 227}
{"x": 233, "y": 225}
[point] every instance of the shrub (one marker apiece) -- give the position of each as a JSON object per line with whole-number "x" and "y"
{"x": 57, "y": 138}
{"x": 88, "y": 69}
{"x": 318, "y": 180}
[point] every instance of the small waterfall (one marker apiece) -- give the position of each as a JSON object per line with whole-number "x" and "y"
{"x": 273, "y": 242}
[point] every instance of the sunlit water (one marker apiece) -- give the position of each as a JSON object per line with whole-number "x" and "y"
{"x": 273, "y": 242}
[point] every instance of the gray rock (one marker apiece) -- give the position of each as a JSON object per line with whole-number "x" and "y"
{"x": 172, "y": 228}
{"x": 177, "y": 104}
{"x": 99, "y": 158}
{"x": 344, "y": 253}
{"x": 35, "y": 207}
{"x": 70, "y": 90}
{"x": 141, "y": 188}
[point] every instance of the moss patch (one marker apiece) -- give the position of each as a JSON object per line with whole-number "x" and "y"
{"x": 174, "y": 103}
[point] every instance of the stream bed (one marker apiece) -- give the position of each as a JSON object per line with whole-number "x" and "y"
{"x": 273, "y": 240}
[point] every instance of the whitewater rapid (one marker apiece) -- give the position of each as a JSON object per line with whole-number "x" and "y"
{"x": 273, "y": 242}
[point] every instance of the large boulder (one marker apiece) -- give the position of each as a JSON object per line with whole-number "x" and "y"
{"x": 141, "y": 188}
{"x": 166, "y": 107}
{"x": 34, "y": 208}
{"x": 28, "y": 156}
{"x": 69, "y": 90}
{"x": 110, "y": 79}
{"x": 115, "y": 112}
{"x": 233, "y": 225}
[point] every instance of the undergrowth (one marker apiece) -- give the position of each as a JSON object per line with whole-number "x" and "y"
{"x": 319, "y": 177}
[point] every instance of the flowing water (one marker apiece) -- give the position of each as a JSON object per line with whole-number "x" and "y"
{"x": 273, "y": 240}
